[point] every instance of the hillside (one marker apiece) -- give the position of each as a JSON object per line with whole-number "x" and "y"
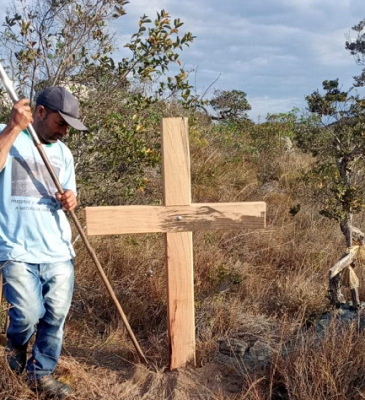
{"x": 260, "y": 291}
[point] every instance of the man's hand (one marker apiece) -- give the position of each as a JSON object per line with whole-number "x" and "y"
{"x": 67, "y": 200}
{"x": 20, "y": 118}
{"x": 21, "y": 115}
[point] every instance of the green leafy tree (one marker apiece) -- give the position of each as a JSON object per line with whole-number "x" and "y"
{"x": 356, "y": 46}
{"x": 230, "y": 105}
{"x": 336, "y": 138}
{"x": 70, "y": 43}
{"x": 47, "y": 42}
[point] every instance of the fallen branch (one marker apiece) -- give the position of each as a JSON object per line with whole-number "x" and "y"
{"x": 347, "y": 259}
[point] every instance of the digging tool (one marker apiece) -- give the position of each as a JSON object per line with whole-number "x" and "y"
{"x": 8, "y": 84}
{"x": 1, "y": 295}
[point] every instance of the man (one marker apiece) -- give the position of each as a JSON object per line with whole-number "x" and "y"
{"x": 36, "y": 254}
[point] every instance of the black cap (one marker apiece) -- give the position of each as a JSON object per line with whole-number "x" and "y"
{"x": 59, "y": 99}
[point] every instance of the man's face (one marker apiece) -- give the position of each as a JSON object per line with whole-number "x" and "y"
{"x": 49, "y": 125}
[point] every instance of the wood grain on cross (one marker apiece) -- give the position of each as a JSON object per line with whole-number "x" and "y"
{"x": 177, "y": 218}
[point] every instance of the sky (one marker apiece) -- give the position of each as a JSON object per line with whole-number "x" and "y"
{"x": 277, "y": 51}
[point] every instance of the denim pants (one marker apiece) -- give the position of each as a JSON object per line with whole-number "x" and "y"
{"x": 39, "y": 294}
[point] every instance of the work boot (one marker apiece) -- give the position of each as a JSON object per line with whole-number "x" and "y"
{"x": 16, "y": 356}
{"x": 51, "y": 387}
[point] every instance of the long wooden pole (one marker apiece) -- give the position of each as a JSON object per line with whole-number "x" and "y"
{"x": 9, "y": 88}
{"x": 1, "y": 297}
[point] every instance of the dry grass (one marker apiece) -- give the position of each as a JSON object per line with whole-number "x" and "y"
{"x": 263, "y": 285}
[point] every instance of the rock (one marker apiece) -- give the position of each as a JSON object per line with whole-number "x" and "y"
{"x": 242, "y": 352}
{"x": 342, "y": 316}
{"x": 322, "y": 324}
{"x": 261, "y": 352}
{"x": 233, "y": 347}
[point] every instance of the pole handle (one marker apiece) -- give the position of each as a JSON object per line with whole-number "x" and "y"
{"x": 8, "y": 84}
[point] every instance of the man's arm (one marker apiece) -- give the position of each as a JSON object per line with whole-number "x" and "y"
{"x": 20, "y": 118}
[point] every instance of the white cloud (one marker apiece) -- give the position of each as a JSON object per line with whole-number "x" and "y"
{"x": 330, "y": 49}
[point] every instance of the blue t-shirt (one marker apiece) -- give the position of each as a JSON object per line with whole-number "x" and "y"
{"x": 33, "y": 226}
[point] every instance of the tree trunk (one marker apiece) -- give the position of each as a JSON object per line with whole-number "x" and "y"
{"x": 346, "y": 228}
{"x": 335, "y": 293}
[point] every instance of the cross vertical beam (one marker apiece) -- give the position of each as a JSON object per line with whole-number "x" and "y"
{"x": 179, "y": 246}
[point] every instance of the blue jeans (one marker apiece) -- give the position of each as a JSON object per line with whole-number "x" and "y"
{"x": 40, "y": 294}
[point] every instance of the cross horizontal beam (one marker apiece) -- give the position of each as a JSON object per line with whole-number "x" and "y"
{"x": 194, "y": 217}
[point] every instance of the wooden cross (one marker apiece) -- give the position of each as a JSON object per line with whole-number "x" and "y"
{"x": 177, "y": 218}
